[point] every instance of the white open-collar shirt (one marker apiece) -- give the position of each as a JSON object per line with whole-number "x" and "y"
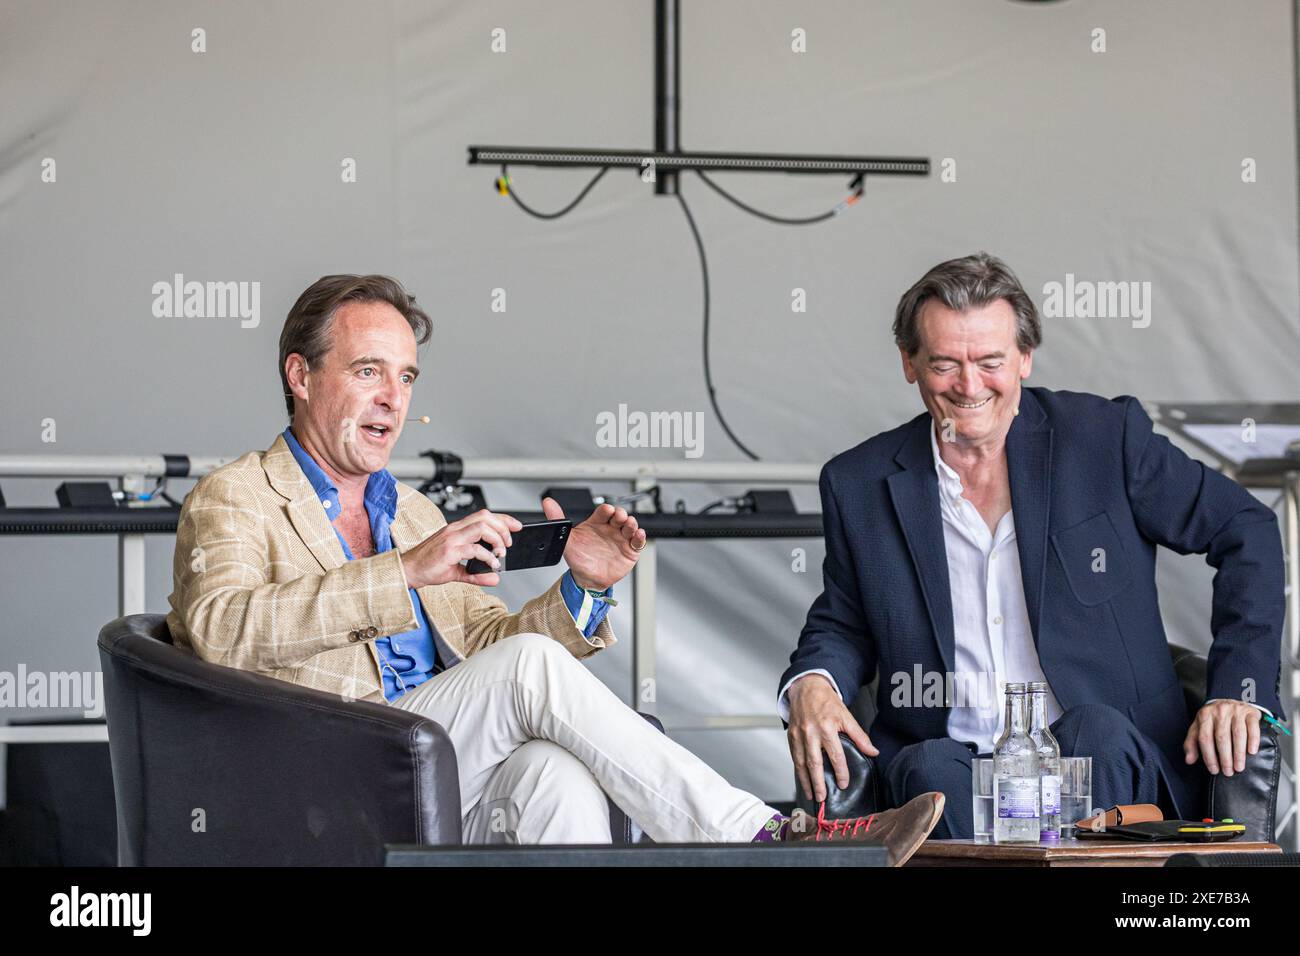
{"x": 993, "y": 641}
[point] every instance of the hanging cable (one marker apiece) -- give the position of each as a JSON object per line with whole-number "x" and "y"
{"x": 857, "y": 185}
{"x": 505, "y": 186}
{"x": 708, "y": 374}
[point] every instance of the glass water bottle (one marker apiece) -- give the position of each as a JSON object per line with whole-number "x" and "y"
{"x": 1049, "y": 764}
{"x": 1015, "y": 774}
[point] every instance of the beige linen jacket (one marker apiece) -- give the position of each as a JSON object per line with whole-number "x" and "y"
{"x": 261, "y": 583}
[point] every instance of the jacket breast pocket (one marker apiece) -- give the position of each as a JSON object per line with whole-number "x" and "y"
{"x": 1093, "y": 559}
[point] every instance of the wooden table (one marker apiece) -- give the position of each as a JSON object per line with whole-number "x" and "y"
{"x": 1070, "y": 852}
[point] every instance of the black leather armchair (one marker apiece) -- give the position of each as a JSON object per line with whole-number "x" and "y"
{"x": 1249, "y": 797}
{"x": 218, "y": 766}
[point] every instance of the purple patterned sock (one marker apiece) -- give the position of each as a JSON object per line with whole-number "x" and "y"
{"x": 773, "y": 830}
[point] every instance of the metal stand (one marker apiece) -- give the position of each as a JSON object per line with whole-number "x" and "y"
{"x": 667, "y": 157}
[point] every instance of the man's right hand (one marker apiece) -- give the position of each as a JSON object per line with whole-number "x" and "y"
{"x": 436, "y": 559}
{"x": 817, "y": 718}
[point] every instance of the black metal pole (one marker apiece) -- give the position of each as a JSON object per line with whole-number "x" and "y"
{"x": 667, "y": 83}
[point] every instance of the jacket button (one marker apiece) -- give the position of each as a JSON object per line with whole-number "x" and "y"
{"x": 372, "y": 631}
{"x": 355, "y": 636}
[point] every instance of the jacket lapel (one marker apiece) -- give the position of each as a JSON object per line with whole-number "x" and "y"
{"x": 407, "y": 533}
{"x": 304, "y": 508}
{"x": 914, "y": 492}
{"x": 1029, "y": 467}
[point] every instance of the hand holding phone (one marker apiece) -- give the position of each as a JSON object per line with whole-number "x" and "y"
{"x": 533, "y": 546}
{"x": 484, "y": 536}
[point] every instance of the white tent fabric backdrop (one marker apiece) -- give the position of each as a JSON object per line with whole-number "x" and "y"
{"x": 226, "y": 165}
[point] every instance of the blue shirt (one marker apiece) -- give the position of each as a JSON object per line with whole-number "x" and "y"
{"x": 411, "y": 658}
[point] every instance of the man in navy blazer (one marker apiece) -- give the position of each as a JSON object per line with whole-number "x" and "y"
{"x": 1009, "y": 534}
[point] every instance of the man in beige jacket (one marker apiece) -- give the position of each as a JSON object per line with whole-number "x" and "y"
{"x": 310, "y": 563}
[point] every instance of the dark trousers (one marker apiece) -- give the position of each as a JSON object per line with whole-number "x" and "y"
{"x": 1125, "y": 768}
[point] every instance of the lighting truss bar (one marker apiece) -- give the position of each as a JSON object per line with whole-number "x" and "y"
{"x": 678, "y": 161}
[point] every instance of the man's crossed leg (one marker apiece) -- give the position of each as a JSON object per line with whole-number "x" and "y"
{"x": 540, "y": 740}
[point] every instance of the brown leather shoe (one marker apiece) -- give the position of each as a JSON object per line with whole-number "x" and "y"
{"x": 901, "y": 830}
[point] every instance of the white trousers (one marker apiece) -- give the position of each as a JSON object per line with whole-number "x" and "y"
{"x": 540, "y": 741}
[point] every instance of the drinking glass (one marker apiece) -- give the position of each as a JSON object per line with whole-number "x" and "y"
{"x": 981, "y": 776}
{"x": 1076, "y": 793}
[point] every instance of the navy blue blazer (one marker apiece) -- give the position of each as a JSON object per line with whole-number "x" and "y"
{"x": 1086, "y": 473}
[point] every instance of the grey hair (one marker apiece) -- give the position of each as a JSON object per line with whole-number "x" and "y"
{"x": 964, "y": 284}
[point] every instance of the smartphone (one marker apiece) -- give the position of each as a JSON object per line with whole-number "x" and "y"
{"x": 532, "y": 546}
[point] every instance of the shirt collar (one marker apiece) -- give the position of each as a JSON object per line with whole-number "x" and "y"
{"x": 381, "y": 488}
{"x": 948, "y": 477}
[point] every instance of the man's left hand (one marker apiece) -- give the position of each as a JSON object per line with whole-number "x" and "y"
{"x": 602, "y": 549}
{"x": 1222, "y": 733}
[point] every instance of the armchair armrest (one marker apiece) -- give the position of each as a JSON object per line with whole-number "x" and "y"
{"x": 864, "y": 794}
{"x": 218, "y": 766}
{"x": 1249, "y": 797}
